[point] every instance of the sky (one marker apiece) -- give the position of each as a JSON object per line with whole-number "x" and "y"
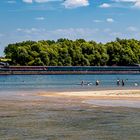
{"x": 98, "y": 20}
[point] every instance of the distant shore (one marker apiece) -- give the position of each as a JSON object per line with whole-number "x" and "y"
{"x": 60, "y": 70}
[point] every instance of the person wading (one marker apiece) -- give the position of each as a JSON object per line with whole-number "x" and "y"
{"x": 97, "y": 82}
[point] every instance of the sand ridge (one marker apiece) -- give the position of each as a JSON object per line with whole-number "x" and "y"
{"x": 99, "y": 93}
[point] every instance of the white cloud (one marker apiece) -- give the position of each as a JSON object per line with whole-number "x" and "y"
{"x": 30, "y": 30}
{"x": 136, "y": 3}
{"x": 39, "y": 1}
{"x": 40, "y": 18}
{"x": 1, "y": 35}
{"x": 132, "y": 29}
{"x": 11, "y": 1}
{"x": 42, "y": 1}
{"x": 105, "y": 5}
{"x": 75, "y": 3}
{"x": 66, "y": 3}
{"x": 107, "y": 30}
{"x": 110, "y": 20}
{"x": 116, "y": 34}
{"x": 127, "y": 0}
{"x": 28, "y": 1}
{"x": 71, "y": 33}
{"x": 75, "y": 31}
{"x": 97, "y": 21}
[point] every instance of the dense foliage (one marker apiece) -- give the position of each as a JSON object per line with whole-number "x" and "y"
{"x": 64, "y": 52}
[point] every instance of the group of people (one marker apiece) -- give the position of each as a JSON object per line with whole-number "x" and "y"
{"x": 120, "y": 82}
{"x": 97, "y": 83}
{"x": 89, "y": 83}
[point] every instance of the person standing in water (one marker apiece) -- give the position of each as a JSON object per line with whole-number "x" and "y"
{"x": 82, "y": 83}
{"x": 118, "y": 82}
{"x": 122, "y": 82}
{"x": 97, "y": 82}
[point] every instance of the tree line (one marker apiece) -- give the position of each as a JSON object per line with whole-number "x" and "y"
{"x": 65, "y": 52}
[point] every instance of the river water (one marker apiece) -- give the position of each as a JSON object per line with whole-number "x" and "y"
{"x": 65, "y": 82}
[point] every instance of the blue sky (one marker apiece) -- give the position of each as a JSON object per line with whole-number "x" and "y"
{"x": 99, "y": 20}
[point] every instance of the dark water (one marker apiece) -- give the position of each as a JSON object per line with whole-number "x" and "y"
{"x": 64, "y": 82}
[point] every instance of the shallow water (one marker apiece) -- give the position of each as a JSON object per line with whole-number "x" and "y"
{"x": 65, "y": 82}
{"x": 115, "y": 103}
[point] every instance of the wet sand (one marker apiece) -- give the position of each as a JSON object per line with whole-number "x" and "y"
{"x": 66, "y": 116}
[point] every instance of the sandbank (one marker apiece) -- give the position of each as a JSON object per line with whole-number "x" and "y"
{"x": 112, "y": 98}
{"x": 102, "y": 94}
